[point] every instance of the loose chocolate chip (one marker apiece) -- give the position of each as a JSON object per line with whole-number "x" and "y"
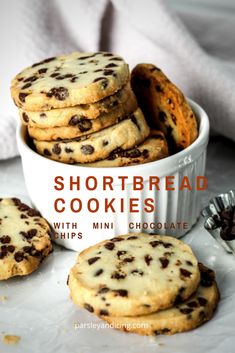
{"x": 118, "y": 275}
{"x": 133, "y": 237}
{"x": 60, "y": 93}
{"x": 164, "y": 262}
{"x": 185, "y": 273}
{"x": 87, "y": 149}
{"x": 92, "y": 260}
{"x": 109, "y": 245}
{"x": 25, "y": 117}
{"x": 26, "y": 86}
{"x": 89, "y": 307}
{"x": 22, "y": 97}
{"x": 5, "y": 239}
{"x": 104, "y": 312}
{"x": 148, "y": 259}
{"x": 186, "y": 311}
{"x": 120, "y": 253}
{"x": 98, "y": 272}
{"x": 202, "y": 301}
{"x": 19, "y": 256}
{"x": 42, "y": 71}
{"x": 121, "y": 292}
{"x": 103, "y": 290}
{"x": 56, "y": 149}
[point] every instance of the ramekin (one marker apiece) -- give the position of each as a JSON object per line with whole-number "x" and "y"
{"x": 172, "y": 207}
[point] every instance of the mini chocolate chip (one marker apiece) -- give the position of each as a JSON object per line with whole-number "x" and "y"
{"x": 22, "y": 97}
{"x": 133, "y": 237}
{"x": 5, "y": 239}
{"x": 164, "y": 262}
{"x": 43, "y": 115}
{"x": 42, "y": 71}
{"x": 148, "y": 259}
{"x": 98, "y": 70}
{"x": 87, "y": 149}
{"x": 92, "y": 260}
{"x": 103, "y": 290}
{"x": 192, "y": 304}
{"x": 27, "y": 85}
{"x": 68, "y": 150}
{"x": 10, "y": 248}
{"x": 121, "y": 292}
{"x": 155, "y": 243}
{"x": 56, "y": 149}
{"x": 19, "y": 256}
{"x": 2, "y": 254}
{"x": 137, "y": 272}
{"x": 186, "y": 310}
{"x": 32, "y": 212}
{"x": 105, "y": 143}
{"x": 185, "y": 273}
{"x": 46, "y": 152}
{"x": 89, "y": 307}
{"x": 118, "y": 275}
{"x": 107, "y": 54}
{"x": 44, "y": 61}
{"x": 158, "y": 88}
{"x": 109, "y": 245}
{"x": 54, "y": 74}
{"x": 110, "y": 65}
{"x": 202, "y": 315}
{"x": 99, "y": 79}
{"x": 202, "y": 301}
{"x": 121, "y": 252}
{"x": 74, "y": 120}
{"x": 25, "y": 117}
{"x": 104, "y": 312}
{"x": 84, "y": 124}
{"x": 98, "y": 272}
{"x": 30, "y": 79}
{"x": 67, "y": 282}
{"x": 189, "y": 263}
{"x": 108, "y": 72}
{"x": 27, "y": 249}
{"x": 116, "y": 239}
{"x": 60, "y": 93}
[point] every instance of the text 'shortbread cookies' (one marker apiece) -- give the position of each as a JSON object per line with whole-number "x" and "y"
{"x": 165, "y": 106}
{"x": 152, "y": 149}
{"x": 99, "y": 145}
{"x": 24, "y": 238}
{"x": 69, "y": 80}
{"x": 133, "y": 274}
{"x": 185, "y": 316}
{"x": 80, "y": 126}
{"x": 67, "y": 116}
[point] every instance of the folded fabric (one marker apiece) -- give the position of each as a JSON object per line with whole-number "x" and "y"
{"x": 140, "y": 31}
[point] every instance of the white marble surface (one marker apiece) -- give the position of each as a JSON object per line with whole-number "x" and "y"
{"x": 39, "y": 310}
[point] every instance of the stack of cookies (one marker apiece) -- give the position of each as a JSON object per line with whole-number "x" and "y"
{"x": 80, "y": 108}
{"x": 148, "y": 284}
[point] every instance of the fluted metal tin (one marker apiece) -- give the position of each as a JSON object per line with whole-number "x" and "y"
{"x": 217, "y": 205}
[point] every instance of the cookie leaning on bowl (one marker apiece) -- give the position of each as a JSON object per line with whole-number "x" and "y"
{"x": 165, "y": 106}
{"x": 185, "y": 316}
{"x": 68, "y": 80}
{"x": 24, "y": 239}
{"x": 133, "y": 274}
{"x": 152, "y": 149}
{"x": 126, "y": 134}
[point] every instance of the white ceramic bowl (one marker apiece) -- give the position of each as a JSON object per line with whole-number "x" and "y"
{"x": 171, "y": 207}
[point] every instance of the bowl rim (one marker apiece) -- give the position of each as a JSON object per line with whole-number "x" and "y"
{"x": 201, "y": 140}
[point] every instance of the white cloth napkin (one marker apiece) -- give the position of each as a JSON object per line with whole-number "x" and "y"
{"x": 197, "y": 51}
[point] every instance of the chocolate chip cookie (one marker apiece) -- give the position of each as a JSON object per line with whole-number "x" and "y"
{"x": 24, "y": 238}
{"x": 152, "y": 149}
{"x": 80, "y": 126}
{"x": 165, "y": 106}
{"x": 99, "y": 145}
{"x": 69, "y": 80}
{"x": 133, "y": 274}
{"x": 184, "y": 316}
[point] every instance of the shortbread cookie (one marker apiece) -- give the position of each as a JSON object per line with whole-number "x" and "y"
{"x": 68, "y": 80}
{"x": 126, "y": 134}
{"x": 185, "y": 316}
{"x": 67, "y": 116}
{"x": 165, "y": 106}
{"x": 152, "y": 149}
{"x": 80, "y": 126}
{"x": 133, "y": 274}
{"x": 24, "y": 238}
